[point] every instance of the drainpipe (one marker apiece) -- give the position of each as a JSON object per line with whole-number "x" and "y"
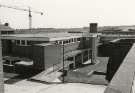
{"x": 63, "y": 64}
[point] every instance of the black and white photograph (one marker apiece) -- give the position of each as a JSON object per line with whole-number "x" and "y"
{"x": 67, "y": 46}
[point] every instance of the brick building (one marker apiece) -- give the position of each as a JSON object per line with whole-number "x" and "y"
{"x": 47, "y": 50}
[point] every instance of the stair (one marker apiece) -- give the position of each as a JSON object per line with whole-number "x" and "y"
{"x": 49, "y": 77}
{"x": 51, "y": 74}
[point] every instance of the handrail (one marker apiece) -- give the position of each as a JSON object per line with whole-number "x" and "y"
{"x": 55, "y": 65}
{"x": 133, "y": 84}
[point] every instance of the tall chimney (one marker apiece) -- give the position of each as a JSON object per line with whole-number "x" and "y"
{"x": 93, "y": 27}
{"x": 6, "y": 24}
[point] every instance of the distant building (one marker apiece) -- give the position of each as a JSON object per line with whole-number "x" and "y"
{"x": 5, "y": 29}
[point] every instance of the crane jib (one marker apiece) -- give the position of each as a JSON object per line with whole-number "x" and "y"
{"x": 21, "y": 9}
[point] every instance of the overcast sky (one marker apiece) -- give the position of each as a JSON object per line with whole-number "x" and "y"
{"x": 69, "y": 13}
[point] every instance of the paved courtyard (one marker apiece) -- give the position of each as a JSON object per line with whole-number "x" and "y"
{"x": 15, "y": 83}
{"x": 25, "y": 86}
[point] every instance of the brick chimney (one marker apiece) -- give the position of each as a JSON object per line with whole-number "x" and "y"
{"x": 93, "y": 27}
{"x": 6, "y": 24}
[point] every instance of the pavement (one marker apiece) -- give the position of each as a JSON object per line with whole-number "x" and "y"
{"x": 15, "y": 83}
{"x": 25, "y": 86}
{"x": 92, "y": 74}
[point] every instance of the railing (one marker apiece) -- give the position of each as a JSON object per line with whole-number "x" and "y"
{"x": 123, "y": 80}
{"x": 133, "y": 85}
{"x": 56, "y": 67}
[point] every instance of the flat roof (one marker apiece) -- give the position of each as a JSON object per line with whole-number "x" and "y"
{"x": 44, "y": 44}
{"x": 47, "y": 36}
{"x": 74, "y": 53}
{"x": 12, "y": 58}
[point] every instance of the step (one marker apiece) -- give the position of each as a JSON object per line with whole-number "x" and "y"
{"x": 49, "y": 77}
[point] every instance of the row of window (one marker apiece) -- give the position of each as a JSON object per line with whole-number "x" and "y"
{"x": 22, "y": 42}
{"x": 68, "y": 41}
{"x": 27, "y": 42}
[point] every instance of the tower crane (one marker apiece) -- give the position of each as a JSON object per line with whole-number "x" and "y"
{"x": 27, "y": 10}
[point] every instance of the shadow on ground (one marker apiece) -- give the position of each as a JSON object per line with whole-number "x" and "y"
{"x": 91, "y": 74}
{"x": 11, "y": 78}
{"x": 99, "y": 73}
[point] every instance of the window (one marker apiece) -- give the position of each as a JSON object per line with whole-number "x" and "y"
{"x": 72, "y": 40}
{"x": 17, "y": 42}
{"x": 22, "y": 42}
{"x": 75, "y": 39}
{"x": 64, "y": 42}
{"x": 60, "y": 42}
{"x": 28, "y": 42}
{"x": 78, "y": 39}
{"x": 56, "y": 42}
{"x": 70, "y": 59}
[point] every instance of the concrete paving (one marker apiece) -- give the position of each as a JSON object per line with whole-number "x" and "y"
{"x": 22, "y": 85}
{"x": 25, "y": 86}
{"x": 92, "y": 74}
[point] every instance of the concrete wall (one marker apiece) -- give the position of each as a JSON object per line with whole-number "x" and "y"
{"x": 52, "y": 55}
{"x": 71, "y": 46}
{"x": 116, "y": 53}
{"x": 22, "y": 51}
{"x": 38, "y": 57}
{"x": 43, "y": 56}
{"x": 122, "y": 81}
{"x": 87, "y": 43}
{"x": 6, "y": 47}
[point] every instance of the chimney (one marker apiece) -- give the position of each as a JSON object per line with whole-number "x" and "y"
{"x": 6, "y": 24}
{"x": 93, "y": 27}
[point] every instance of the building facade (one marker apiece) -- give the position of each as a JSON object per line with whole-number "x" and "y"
{"x": 49, "y": 49}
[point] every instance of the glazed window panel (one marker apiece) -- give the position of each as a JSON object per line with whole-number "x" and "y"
{"x": 17, "y": 42}
{"x": 28, "y": 42}
{"x": 72, "y": 40}
{"x": 78, "y": 39}
{"x": 60, "y": 42}
{"x": 22, "y": 42}
{"x": 64, "y": 42}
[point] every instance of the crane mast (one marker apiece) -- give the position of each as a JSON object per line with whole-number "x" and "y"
{"x": 27, "y": 10}
{"x": 30, "y": 19}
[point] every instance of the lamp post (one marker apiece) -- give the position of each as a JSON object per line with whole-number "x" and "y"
{"x": 62, "y": 44}
{"x": 63, "y": 63}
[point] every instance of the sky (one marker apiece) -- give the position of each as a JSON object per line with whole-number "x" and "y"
{"x": 69, "y": 13}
